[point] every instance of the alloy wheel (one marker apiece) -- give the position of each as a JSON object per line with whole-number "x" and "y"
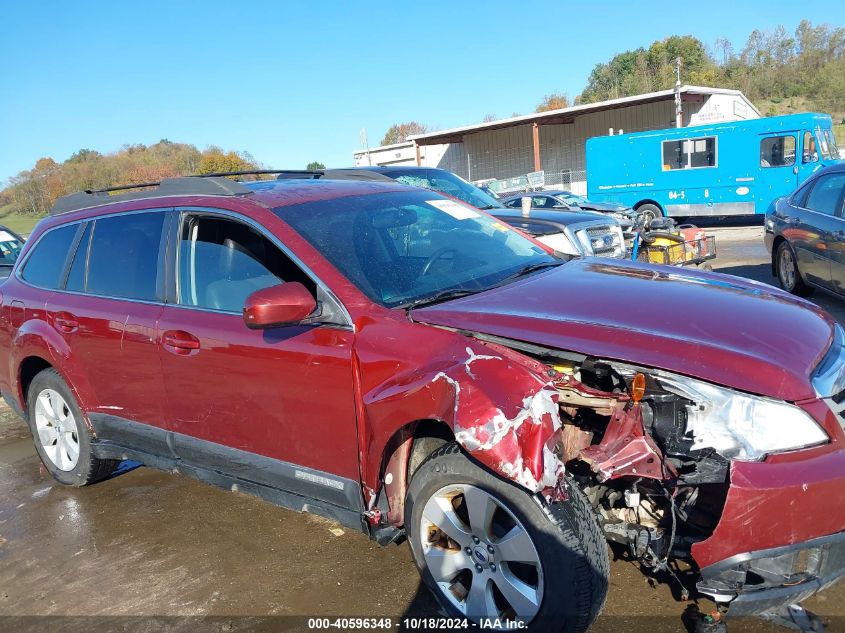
{"x": 786, "y": 268}
{"x": 57, "y": 430}
{"x": 481, "y": 555}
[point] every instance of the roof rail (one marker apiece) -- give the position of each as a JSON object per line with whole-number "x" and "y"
{"x": 210, "y": 185}
{"x": 351, "y": 173}
{"x": 344, "y": 173}
{"x": 282, "y": 173}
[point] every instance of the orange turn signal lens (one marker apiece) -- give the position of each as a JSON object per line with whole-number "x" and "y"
{"x": 638, "y": 387}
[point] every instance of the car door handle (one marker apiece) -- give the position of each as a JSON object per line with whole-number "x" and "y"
{"x": 66, "y": 322}
{"x": 180, "y": 342}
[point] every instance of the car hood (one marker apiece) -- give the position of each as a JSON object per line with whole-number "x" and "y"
{"x": 741, "y": 334}
{"x": 552, "y": 215}
{"x": 603, "y": 207}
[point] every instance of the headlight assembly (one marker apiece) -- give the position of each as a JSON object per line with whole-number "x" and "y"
{"x": 741, "y": 426}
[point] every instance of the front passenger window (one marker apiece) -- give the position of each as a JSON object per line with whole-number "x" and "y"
{"x": 222, "y": 262}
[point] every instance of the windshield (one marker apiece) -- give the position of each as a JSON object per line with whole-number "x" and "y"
{"x": 571, "y": 198}
{"x": 10, "y": 248}
{"x": 827, "y": 143}
{"x": 448, "y": 183}
{"x": 402, "y": 247}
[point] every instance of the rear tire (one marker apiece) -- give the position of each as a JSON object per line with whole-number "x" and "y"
{"x": 786, "y": 268}
{"x": 650, "y": 211}
{"x": 506, "y": 553}
{"x": 60, "y": 433}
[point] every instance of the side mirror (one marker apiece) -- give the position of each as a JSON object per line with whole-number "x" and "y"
{"x": 283, "y": 304}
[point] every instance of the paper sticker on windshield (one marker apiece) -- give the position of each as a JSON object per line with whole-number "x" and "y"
{"x": 5, "y": 236}
{"x": 457, "y": 211}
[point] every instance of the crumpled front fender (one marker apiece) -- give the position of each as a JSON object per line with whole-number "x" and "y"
{"x": 504, "y": 415}
{"x": 501, "y": 406}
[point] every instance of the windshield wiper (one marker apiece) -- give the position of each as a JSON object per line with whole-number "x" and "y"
{"x": 443, "y": 295}
{"x": 527, "y": 270}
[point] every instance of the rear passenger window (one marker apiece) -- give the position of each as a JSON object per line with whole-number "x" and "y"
{"x": 124, "y": 254}
{"x": 46, "y": 262}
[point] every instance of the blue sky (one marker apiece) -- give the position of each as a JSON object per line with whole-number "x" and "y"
{"x": 292, "y": 82}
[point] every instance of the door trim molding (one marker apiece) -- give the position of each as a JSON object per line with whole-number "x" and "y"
{"x": 285, "y": 484}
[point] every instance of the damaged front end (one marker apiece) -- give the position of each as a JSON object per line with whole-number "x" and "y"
{"x": 664, "y": 459}
{"x": 653, "y": 492}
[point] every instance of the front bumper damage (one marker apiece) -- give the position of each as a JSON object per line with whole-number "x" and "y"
{"x": 777, "y": 535}
{"x": 763, "y": 581}
{"x": 787, "y": 521}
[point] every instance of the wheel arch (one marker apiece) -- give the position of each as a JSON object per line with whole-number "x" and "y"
{"x": 28, "y": 369}
{"x": 36, "y": 339}
{"x": 404, "y": 451}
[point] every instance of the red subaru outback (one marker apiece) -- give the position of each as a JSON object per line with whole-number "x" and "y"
{"x": 408, "y": 365}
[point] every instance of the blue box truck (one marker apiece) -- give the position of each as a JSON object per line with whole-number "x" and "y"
{"x": 734, "y": 168}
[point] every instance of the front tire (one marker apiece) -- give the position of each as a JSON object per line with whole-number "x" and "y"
{"x": 786, "y": 267}
{"x": 649, "y": 212}
{"x": 487, "y": 548}
{"x": 61, "y": 436}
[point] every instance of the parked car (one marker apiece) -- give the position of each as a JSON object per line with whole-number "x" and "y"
{"x": 567, "y": 201}
{"x": 403, "y": 364}
{"x": 576, "y": 234}
{"x": 805, "y": 234}
{"x": 10, "y": 247}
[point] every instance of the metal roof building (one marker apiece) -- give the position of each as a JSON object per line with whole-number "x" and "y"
{"x": 553, "y": 142}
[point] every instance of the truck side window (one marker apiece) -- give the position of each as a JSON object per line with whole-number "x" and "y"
{"x": 673, "y": 155}
{"x": 702, "y": 152}
{"x": 777, "y": 151}
{"x": 689, "y": 153}
{"x": 811, "y": 154}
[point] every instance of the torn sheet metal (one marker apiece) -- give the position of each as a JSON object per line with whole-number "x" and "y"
{"x": 626, "y": 449}
{"x": 508, "y": 433}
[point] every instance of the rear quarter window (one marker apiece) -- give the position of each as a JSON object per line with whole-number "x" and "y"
{"x": 46, "y": 262}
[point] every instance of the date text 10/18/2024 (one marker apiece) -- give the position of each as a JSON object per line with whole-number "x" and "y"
{"x": 421, "y": 623}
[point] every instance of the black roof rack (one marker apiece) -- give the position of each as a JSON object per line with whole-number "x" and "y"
{"x": 216, "y": 184}
{"x": 282, "y": 173}
{"x": 343, "y": 173}
{"x": 351, "y": 173}
{"x": 185, "y": 186}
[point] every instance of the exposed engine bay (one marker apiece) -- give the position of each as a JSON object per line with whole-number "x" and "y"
{"x": 628, "y": 440}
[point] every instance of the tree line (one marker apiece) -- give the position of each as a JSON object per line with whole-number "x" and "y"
{"x": 34, "y": 191}
{"x": 772, "y": 68}
{"x": 777, "y": 70}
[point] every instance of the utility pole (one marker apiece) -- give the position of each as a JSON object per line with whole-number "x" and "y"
{"x": 679, "y": 110}
{"x": 365, "y": 145}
